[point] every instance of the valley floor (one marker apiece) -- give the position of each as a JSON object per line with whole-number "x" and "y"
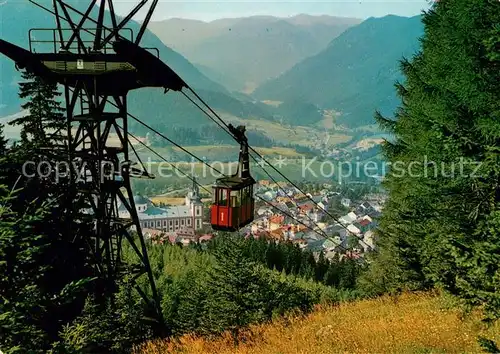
{"x": 411, "y": 323}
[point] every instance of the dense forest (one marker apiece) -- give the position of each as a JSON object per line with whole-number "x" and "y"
{"x": 440, "y": 228}
{"x": 55, "y": 299}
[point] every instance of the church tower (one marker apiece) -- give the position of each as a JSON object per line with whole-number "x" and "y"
{"x": 193, "y": 201}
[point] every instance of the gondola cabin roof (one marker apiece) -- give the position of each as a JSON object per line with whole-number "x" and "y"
{"x": 233, "y": 182}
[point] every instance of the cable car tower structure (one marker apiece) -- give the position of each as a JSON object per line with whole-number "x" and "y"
{"x": 97, "y": 60}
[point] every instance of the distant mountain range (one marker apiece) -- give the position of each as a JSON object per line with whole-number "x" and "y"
{"x": 355, "y": 74}
{"x": 18, "y": 17}
{"x": 241, "y": 53}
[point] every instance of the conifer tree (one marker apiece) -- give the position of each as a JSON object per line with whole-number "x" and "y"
{"x": 3, "y": 157}
{"x": 45, "y": 258}
{"x": 440, "y": 224}
{"x": 41, "y": 277}
{"x": 3, "y": 142}
{"x": 237, "y": 288}
{"x": 44, "y": 123}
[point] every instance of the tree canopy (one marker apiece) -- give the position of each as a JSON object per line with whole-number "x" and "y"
{"x": 441, "y": 223}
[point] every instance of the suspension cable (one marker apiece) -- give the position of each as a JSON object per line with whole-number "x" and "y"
{"x": 226, "y": 129}
{"x": 165, "y": 160}
{"x": 324, "y": 235}
{"x": 201, "y": 186}
{"x": 224, "y": 124}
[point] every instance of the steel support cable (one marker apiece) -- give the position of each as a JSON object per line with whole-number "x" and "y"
{"x": 133, "y": 149}
{"x": 214, "y": 169}
{"x": 193, "y": 180}
{"x": 79, "y": 13}
{"x": 201, "y": 186}
{"x": 155, "y": 152}
{"x": 168, "y": 139}
{"x": 275, "y": 182}
{"x": 226, "y": 129}
{"x": 165, "y": 160}
{"x": 308, "y": 217}
{"x": 219, "y": 172}
{"x": 262, "y": 199}
{"x": 210, "y": 109}
{"x": 139, "y": 121}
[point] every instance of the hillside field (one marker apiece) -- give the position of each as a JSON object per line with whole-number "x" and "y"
{"x": 212, "y": 151}
{"x": 411, "y": 323}
{"x": 294, "y": 169}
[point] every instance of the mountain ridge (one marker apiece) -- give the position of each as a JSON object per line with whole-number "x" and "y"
{"x": 355, "y": 73}
{"x": 253, "y": 48}
{"x": 24, "y": 16}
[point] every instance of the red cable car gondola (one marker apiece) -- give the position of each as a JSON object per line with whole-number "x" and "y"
{"x": 232, "y": 198}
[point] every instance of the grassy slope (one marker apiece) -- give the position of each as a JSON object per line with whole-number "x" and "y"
{"x": 409, "y": 324}
{"x": 300, "y": 135}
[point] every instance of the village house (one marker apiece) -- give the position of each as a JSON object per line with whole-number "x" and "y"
{"x": 264, "y": 183}
{"x": 300, "y": 242}
{"x": 269, "y": 195}
{"x": 348, "y": 219}
{"x": 275, "y": 222}
{"x": 345, "y": 202}
{"x": 353, "y": 229}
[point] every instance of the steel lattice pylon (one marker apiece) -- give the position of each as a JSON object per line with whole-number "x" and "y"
{"x": 96, "y": 64}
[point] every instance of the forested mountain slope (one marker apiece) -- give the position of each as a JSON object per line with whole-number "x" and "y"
{"x": 355, "y": 74}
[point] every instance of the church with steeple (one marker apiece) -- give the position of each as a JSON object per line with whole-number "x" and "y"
{"x": 193, "y": 202}
{"x": 171, "y": 218}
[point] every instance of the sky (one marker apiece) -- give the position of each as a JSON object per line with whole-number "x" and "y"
{"x": 212, "y": 10}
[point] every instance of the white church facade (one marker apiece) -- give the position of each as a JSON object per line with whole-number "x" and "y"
{"x": 170, "y": 218}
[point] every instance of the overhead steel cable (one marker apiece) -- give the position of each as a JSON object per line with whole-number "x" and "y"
{"x": 165, "y": 160}
{"x": 227, "y": 130}
{"x": 210, "y": 109}
{"x": 282, "y": 189}
{"x": 155, "y": 152}
{"x": 325, "y": 236}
